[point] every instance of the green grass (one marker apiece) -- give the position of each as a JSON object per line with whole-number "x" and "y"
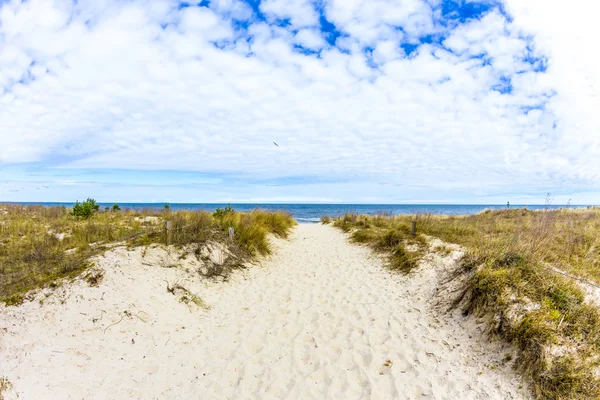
{"x": 40, "y": 245}
{"x": 510, "y": 258}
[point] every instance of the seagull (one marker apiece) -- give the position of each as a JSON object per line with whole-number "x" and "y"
{"x": 275, "y": 144}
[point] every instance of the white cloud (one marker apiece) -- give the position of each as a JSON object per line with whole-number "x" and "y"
{"x": 235, "y": 9}
{"x": 369, "y": 21}
{"x": 567, "y": 35}
{"x": 127, "y": 85}
{"x": 386, "y": 51}
{"x": 310, "y": 39}
{"x": 300, "y": 13}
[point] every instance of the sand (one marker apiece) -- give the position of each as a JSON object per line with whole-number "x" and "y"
{"x": 320, "y": 319}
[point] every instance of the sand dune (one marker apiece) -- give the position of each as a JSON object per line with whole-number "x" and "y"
{"x": 320, "y": 319}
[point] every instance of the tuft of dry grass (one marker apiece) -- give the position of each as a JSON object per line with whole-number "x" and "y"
{"x": 395, "y": 240}
{"x": 40, "y": 245}
{"x": 4, "y": 386}
{"x": 185, "y": 296}
{"x": 512, "y": 258}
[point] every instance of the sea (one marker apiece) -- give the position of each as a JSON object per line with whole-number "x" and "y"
{"x": 309, "y": 213}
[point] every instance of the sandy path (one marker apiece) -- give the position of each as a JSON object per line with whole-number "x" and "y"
{"x": 321, "y": 319}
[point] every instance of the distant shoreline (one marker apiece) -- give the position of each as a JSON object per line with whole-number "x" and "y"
{"x": 311, "y": 212}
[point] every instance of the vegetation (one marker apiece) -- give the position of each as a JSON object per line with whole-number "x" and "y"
{"x": 5, "y": 385}
{"x": 525, "y": 270}
{"x": 85, "y": 209}
{"x": 115, "y": 208}
{"x": 222, "y": 212}
{"x": 39, "y": 245}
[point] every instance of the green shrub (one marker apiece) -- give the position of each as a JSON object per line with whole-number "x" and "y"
{"x": 85, "y": 209}
{"x": 116, "y": 208}
{"x": 220, "y": 213}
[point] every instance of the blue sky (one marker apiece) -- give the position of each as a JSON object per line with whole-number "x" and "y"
{"x": 369, "y": 101}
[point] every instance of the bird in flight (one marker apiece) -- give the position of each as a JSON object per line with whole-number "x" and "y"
{"x": 275, "y": 144}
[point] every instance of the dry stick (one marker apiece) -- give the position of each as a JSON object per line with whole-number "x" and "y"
{"x": 113, "y": 324}
{"x": 572, "y": 277}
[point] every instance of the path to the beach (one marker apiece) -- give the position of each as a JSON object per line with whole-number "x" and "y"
{"x": 321, "y": 319}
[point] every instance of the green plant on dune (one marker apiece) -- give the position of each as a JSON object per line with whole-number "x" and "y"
{"x": 220, "y": 213}
{"x": 85, "y": 209}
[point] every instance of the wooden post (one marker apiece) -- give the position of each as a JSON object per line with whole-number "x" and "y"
{"x": 169, "y": 233}
{"x": 231, "y": 232}
{"x": 414, "y": 228}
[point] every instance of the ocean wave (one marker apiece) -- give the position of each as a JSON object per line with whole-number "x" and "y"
{"x": 300, "y": 219}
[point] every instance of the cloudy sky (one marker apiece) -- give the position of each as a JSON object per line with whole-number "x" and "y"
{"x": 369, "y": 101}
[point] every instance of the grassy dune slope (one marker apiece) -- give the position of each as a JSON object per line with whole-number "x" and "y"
{"x": 39, "y": 245}
{"x": 513, "y": 259}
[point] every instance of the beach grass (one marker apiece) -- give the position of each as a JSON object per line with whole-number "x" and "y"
{"x": 5, "y": 385}
{"x": 41, "y": 245}
{"x": 527, "y": 273}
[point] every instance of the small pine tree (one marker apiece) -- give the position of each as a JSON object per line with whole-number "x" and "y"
{"x": 85, "y": 209}
{"x": 221, "y": 212}
{"x": 116, "y": 208}
{"x": 167, "y": 207}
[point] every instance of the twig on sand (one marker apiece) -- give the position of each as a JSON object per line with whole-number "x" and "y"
{"x": 116, "y": 323}
{"x": 94, "y": 320}
{"x": 140, "y": 318}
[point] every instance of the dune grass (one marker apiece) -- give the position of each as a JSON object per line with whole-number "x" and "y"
{"x": 515, "y": 260}
{"x": 5, "y": 385}
{"x": 40, "y": 245}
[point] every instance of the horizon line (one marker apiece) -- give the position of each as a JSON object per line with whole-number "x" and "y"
{"x": 306, "y": 203}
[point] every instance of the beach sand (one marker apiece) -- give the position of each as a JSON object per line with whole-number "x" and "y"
{"x": 320, "y": 319}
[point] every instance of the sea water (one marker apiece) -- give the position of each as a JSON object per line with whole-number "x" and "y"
{"x": 307, "y": 213}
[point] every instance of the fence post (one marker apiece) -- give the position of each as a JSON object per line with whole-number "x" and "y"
{"x": 231, "y": 232}
{"x": 169, "y": 232}
{"x": 414, "y": 228}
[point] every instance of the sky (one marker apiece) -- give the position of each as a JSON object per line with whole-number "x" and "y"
{"x": 299, "y": 101}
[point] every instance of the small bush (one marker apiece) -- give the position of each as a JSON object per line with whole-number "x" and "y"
{"x": 115, "y": 208}
{"x": 85, "y": 209}
{"x": 220, "y": 213}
